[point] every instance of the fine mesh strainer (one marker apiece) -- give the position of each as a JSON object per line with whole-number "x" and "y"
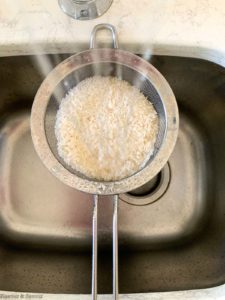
{"x": 104, "y": 62}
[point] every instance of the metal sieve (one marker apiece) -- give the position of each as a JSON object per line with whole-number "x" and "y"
{"x": 104, "y": 62}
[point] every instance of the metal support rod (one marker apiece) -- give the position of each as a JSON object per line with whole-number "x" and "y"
{"x": 115, "y": 248}
{"x": 95, "y": 248}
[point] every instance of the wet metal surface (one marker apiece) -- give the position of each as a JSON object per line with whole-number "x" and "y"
{"x": 45, "y": 232}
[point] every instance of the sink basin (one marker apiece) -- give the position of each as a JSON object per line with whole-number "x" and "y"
{"x": 171, "y": 233}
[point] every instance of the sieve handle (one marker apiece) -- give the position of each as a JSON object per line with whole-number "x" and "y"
{"x": 115, "y": 248}
{"x": 95, "y": 248}
{"x": 100, "y": 27}
{"x": 94, "y": 291}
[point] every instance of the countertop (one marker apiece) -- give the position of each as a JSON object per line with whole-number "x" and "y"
{"x": 173, "y": 27}
{"x": 207, "y": 294}
{"x": 194, "y": 28}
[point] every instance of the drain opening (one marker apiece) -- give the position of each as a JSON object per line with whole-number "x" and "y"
{"x": 151, "y": 191}
{"x": 148, "y": 188}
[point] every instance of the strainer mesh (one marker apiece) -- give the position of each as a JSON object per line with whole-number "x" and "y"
{"x": 102, "y": 69}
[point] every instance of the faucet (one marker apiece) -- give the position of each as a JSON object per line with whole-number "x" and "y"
{"x": 84, "y": 9}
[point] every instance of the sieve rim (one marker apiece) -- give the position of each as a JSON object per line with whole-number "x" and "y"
{"x": 93, "y": 56}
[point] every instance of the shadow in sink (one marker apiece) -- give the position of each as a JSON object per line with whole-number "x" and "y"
{"x": 46, "y": 226}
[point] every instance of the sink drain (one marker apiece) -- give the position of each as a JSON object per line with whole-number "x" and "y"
{"x": 151, "y": 191}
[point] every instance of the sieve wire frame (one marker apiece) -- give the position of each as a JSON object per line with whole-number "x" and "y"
{"x": 42, "y": 119}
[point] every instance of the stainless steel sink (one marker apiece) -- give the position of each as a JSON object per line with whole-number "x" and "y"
{"x": 171, "y": 231}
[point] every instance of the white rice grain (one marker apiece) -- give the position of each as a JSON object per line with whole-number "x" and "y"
{"x": 106, "y": 128}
